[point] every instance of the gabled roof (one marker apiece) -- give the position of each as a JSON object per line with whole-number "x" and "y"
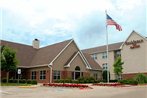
{"x": 115, "y": 46}
{"x": 46, "y": 54}
{"x": 31, "y": 57}
{"x": 94, "y": 65}
{"x": 134, "y": 32}
{"x": 74, "y": 56}
{"x": 25, "y": 53}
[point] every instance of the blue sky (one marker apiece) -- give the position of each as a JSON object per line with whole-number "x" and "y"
{"x": 52, "y": 21}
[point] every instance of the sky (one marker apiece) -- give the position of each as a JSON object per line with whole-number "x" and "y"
{"x": 53, "y": 21}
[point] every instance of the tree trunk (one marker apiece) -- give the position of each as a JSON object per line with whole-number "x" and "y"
{"x": 7, "y": 77}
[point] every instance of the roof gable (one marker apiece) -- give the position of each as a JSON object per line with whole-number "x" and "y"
{"x": 94, "y": 65}
{"x": 133, "y": 32}
{"x": 72, "y": 59}
{"x": 49, "y": 53}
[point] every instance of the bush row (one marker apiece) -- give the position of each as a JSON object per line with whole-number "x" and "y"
{"x": 129, "y": 81}
{"x": 79, "y": 80}
{"x": 138, "y": 79}
{"x": 20, "y": 81}
{"x": 109, "y": 81}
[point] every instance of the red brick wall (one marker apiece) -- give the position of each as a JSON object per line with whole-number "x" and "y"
{"x": 64, "y": 74}
{"x": 128, "y": 76}
{"x": 3, "y": 74}
{"x": 68, "y": 74}
{"x": 47, "y": 80}
{"x": 86, "y": 74}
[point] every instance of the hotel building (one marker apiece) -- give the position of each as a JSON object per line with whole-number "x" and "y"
{"x": 133, "y": 52}
{"x": 65, "y": 60}
{"x": 62, "y": 60}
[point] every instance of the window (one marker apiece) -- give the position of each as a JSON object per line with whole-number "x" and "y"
{"x": 104, "y": 55}
{"x": 94, "y": 56}
{"x": 42, "y": 75}
{"x": 77, "y": 68}
{"x": 56, "y": 74}
{"x": 117, "y": 54}
{"x": 104, "y": 66}
{"x": 33, "y": 75}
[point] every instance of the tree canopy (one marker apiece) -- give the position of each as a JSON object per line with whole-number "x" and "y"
{"x": 8, "y": 60}
{"x": 118, "y": 66}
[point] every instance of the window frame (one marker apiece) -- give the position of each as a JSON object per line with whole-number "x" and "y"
{"x": 105, "y": 66}
{"x": 104, "y": 55}
{"x": 42, "y": 75}
{"x": 33, "y": 75}
{"x": 94, "y": 56}
{"x": 56, "y": 74}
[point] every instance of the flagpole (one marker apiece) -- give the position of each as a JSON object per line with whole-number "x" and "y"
{"x": 107, "y": 49}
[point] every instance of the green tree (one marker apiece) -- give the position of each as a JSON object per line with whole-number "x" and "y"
{"x": 118, "y": 67}
{"x": 8, "y": 60}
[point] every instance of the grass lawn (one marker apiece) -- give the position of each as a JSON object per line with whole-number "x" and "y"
{"x": 15, "y": 84}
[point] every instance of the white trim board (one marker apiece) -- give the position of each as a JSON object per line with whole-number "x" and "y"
{"x": 51, "y": 63}
{"x": 78, "y": 53}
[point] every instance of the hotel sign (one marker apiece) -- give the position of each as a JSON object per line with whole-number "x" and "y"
{"x": 134, "y": 43}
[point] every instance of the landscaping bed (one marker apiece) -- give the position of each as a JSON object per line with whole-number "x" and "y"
{"x": 65, "y": 85}
{"x": 108, "y": 84}
{"x": 15, "y": 84}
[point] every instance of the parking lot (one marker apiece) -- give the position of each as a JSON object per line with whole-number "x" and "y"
{"x": 58, "y": 92}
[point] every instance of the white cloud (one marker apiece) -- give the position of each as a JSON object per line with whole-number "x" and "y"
{"x": 35, "y": 12}
{"x": 73, "y": 17}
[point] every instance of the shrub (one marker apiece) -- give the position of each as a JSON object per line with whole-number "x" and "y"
{"x": 33, "y": 82}
{"x": 141, "y": 78}
{"x": 81, "y": 80}
{"x": 86, "y": 80}
{"x": 13, "y": 80}
{"x": 75, "y": 81}
{"x": 91, "y": 80}
{"x": 113, "y": 81}
{"x": 56, "y": 81}
{"x": 129, "y": 81}
{"x": 29, "y": 81}
{"x": 67, "y": 81}
{"x": 4, "y": 80}
{"x": 22, "y": 81}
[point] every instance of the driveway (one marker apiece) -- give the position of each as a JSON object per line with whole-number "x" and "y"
{"x": 57, "y": 92}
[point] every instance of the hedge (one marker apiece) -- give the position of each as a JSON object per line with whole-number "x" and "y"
{"x": 129, "y": 81}
{"x": 20, "y": 81}
{"x": 138, "y": 79}
{"x": 79, "y": 80}
{"x": 141, "y": 78}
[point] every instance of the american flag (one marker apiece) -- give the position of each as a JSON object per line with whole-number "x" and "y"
{"x": 110, "y": 21}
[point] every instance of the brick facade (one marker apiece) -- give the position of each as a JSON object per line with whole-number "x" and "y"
{"x": 131, "y": 75}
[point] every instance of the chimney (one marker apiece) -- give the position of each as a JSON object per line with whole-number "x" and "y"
{"x": 35, "y": 43}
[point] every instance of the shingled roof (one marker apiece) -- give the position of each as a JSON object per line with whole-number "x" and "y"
{"x": 100, "y": 49}
{"x": 94, "y": 65}
{"x": 25, "y": 53}
{"x": 46, "y": 54}
{"x": 29, "y": 56}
